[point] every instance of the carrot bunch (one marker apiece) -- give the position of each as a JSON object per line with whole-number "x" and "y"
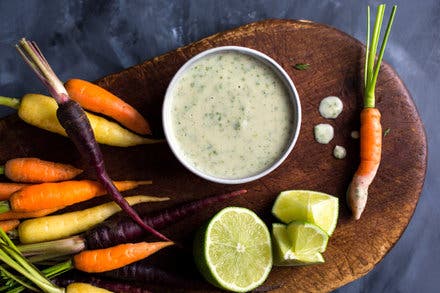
{"x": 48, "y": 187}
{"x": 24, "y": 172}
{"x": 73, "y": 119}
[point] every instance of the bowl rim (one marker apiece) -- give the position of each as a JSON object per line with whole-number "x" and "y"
{"x": 292, "y": 93}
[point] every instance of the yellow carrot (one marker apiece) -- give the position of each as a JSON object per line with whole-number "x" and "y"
{"x": 84, "y": 288}
{"x": 41, "y": 111}
{"x": 68, "y": 224}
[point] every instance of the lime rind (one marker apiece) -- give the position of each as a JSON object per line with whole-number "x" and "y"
{"x": 282, "y": 250}
{"x": 298, "y": 260}
{"x": 255, "y": 261}
{"x": 310, "y": 206}
{"x": 329, "y": 207}
{"x": 306, "y": 238}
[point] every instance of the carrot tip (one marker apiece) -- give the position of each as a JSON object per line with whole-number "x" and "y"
{"x": 145, "y": 182}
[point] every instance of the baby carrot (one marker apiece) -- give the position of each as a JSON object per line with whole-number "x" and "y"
{"x": 97, "y": 99}
{"x": 61, "y": 194}
{"x": 371, "y": 129}
{"x": 84, "y": 287}
{"x": 107, "y": 259}
{"x": 9, "y": 225}
{"x": 68, "y": 224}
{"x": 34, "y": 170}
{"x": 6, "y": 189}
{"x": 10, "y": 215}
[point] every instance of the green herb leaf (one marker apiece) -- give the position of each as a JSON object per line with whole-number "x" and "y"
{"x": 301, "y": 66}
{"x": 386, "y": 132}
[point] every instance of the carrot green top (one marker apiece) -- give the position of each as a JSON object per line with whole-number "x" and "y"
{"x": 371, "y": 69}
{"x": 10, "y": 102}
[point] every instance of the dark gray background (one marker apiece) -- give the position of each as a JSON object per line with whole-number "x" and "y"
{"x": 90, "y": 39}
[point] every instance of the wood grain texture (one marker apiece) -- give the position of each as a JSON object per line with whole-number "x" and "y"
{"x": 335, "y": 69}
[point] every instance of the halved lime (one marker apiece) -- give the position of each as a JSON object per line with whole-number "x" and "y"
{"x": 233, "y": 251}
{"x": 306, "y": 238}
{"x": 314, "y": 207}
{"x": 282, "y": 250}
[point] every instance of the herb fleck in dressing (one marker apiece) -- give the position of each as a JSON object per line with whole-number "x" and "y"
{"x": 231, "y": 115}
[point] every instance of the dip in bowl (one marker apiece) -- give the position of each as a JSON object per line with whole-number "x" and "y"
{"x": 231, "y": 115}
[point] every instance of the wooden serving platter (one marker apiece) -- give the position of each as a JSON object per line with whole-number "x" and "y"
{"x": 335, "y": 61}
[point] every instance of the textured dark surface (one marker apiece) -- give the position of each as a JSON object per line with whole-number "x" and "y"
{"x": 95, "y": 38}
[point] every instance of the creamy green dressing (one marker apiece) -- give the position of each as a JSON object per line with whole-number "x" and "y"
{"x": 231, "y": 115}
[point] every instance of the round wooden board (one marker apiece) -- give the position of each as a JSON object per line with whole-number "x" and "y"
{"x": 335, "y": 61}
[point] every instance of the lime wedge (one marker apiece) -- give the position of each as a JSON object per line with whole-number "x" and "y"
{"x": 306, "y": 238}
{"x": 314, "y": 207}
{"x": 233, "y": 251}
{"x": 283, "y": 254}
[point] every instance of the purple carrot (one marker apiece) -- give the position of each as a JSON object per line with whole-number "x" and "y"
{"x": 117, "y": 230}
{"x": 111, "y": 285}
{"x": 74, "y": 120}
{"x": 148, "y": 274}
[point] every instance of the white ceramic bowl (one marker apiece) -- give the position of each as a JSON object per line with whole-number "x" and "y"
{"x": 290, "y": 88}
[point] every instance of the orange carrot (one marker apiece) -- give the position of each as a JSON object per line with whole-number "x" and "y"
{"x": 11, "y": 215}
{"x": 6, "y": 189}
{"x": 107, "y": 259}
{"x": 371, "y": 128}
{"x": 34, "y": 170}
{"x": 370, "y": 154}
{"x": 97, "y": 99}
{"x": 60, "y": 194}
{"x": 9, "y": 225}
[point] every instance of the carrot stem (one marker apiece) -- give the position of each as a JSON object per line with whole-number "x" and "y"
{"x": 383, "y": 46}
{"x": 4, "y": 206}
{"x": 62, "y": 247}
{"x": 35, "y": 59}
{"x": 10, "y": 255}
{"x": 10, "y": 102}
{"x": 367, "y": 51}
{"x": 58, "y": 269}
{"x": 374, "y": 41}
{"x": 8, "y": 275}
{"x": 372, "y": 68}
{"x": 16, "y": 284}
